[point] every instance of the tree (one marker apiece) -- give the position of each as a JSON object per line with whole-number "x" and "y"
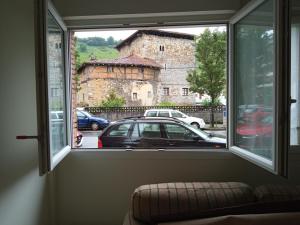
{"x": 110, "y": 41}
{"x": 113, "y": 100}
{"x": 209, "y": 75}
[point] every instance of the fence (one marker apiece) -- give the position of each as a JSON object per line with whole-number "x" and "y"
{"x": 116, "y": 113}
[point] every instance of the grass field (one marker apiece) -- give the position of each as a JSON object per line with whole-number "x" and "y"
{"x": 99, "y": 52}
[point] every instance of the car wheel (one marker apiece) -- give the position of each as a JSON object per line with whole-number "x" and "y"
{"x": 95, "y": 126}
{"x": 196, "y": 125}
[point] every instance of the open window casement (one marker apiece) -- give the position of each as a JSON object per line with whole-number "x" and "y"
{"x": 258, "y": 84}
{"x": 53, "y": 86}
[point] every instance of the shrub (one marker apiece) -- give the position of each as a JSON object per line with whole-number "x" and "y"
{"x": 113, "y": 100}
{"x": 167, "y": 104}
{"x": 208, "y": 103}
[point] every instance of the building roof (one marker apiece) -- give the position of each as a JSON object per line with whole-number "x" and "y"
{"x": 131, "y": 60}
{"x": 154, "y": 32}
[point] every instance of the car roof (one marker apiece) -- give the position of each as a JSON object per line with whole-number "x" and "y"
{"x": 150, "y": 119}
{"x": 160, "y": 110}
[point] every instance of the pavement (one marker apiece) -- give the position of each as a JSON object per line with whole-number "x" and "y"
{"x": 90, "y": 138}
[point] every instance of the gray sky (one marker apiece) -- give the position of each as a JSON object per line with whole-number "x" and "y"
{"x": 122, "y": 34}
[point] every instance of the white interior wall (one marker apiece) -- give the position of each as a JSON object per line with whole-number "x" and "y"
{"x": 94, "y": 187}
{"x": 23, "y": 194}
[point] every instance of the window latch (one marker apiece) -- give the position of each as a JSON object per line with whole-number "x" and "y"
{"x": 24, "y": 137}
{"x": 293, "y": 101}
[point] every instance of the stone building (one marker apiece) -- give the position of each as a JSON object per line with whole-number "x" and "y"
{"x": 152, "y": 68}
{"x": 175, "y": 52}
{"x": 133, "y": 77}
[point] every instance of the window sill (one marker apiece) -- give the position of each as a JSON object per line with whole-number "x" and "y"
{"x": 176, "y": 154}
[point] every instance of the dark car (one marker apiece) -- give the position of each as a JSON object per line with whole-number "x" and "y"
{"x": 156, "y": 133}
{"x": 85, "y": 120}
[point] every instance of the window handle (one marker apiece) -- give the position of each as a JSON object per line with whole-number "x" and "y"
{"x": 24, "y": 137}
{"x": 293, "y": 101}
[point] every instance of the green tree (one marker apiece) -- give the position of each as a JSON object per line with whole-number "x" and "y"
{"x": 82, "y": 47}
{"x": 209, "y": 75}
{"x": 113, "y": 100}
{"x": 110, "y": 41}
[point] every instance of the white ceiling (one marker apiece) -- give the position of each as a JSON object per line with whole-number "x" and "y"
{"x": 91, "y": 13}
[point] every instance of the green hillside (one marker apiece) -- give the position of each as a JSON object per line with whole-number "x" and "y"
{"x": 97, "y": 52}
{"x": 95, "y": 48}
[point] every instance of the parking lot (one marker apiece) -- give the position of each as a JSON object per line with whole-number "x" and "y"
{"x": 90, "y": 137}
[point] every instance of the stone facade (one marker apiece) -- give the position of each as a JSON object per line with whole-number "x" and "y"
{"x": 152, "y": 68}
{"x": 138, "y": 85}
{"x": 175, "y": 55}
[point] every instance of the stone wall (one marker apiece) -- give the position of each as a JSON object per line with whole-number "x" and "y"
{"x": 177, "y": 59}
{"x": 137, "y": 87}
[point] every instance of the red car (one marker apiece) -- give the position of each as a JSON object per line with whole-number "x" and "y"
{"x": 256, "y": 113}
{"x": 255, "y": 133}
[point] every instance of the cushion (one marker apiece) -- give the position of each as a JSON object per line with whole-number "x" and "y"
{"x": 173, "y": 201}
{"x": 267, "y": 193}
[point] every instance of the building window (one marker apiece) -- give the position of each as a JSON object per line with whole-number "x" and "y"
{"x": 161, "y": 48}
{"x": 149, "y": 94}
{"x": 55, "y": 92}
{"x": 110, "y": 69}
{"x": 141, "y": 69}
{"x": 185, "y": 91}
{"x": 134, "y": 96}
{"x": 166, "y": 91}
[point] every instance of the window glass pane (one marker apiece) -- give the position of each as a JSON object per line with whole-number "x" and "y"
{"x": 176, "y": 114}
{"x": 56, "y": 81}
{"x": 163, "y": 114}
{"x": 135, "y": 132}
{"x": 150, "y": 130}
{"x": 254, "y": 81}
{"x": 175, "y": 131}
{"x": 120, "y": 130}
{"x": 295, "y": 74}
{"x": 151, "y": 113}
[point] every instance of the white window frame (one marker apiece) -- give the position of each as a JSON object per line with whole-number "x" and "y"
{"x": 46, "y": 160}
{"x": 279, "y": 163}
{"x": 47, "y": 163}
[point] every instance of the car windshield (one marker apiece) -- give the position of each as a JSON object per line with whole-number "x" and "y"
{"x": 87, "y": 113}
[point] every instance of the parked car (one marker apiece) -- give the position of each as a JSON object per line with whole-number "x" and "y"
{"x": 194, "y": 121}
{"x": 158, "y": 132}
{"x": 253, "y": 112}
{"x": 256, "y": 133}
{"x": 85, "y": 120}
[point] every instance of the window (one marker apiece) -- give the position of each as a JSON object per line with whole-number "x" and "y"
{"x": 161, "y": 48}
{"x": 53, "y": 113}
{"x": 166, "y": 91}
{"x": 141, "y": 69}
{"x": 295, "y": 78}
{"x": 110, "y": 69}
{"x": 175, "y": 131}
{"x": 146, "y": 130}
{"x": 256, "y": 90}
{"x": 151, "y": 113}
{"x": 55, "y": 92}
{"x": 177, "y": 114}
{"x": 185, "y": 91}
{"x": 255, "y": 86}
{"x": 120, "y": 130}
{"x": 149, "y": 94}
{"x": 163, "y": 114}
{"x": 134, "y": 96}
